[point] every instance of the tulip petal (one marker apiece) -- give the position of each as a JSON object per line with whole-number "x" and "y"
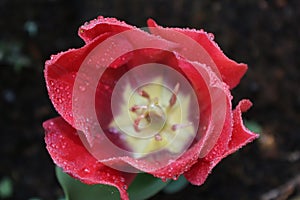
{"x": 68, "y": 152}
{"x": 192, "y": 53}
{"x": 230, "y": 71}
{"x": 62, "y": 70}
{"x": 240, "y": 134}
{"x": 240, "y": 137}
{"x": 90, "y": 30}
{"x": 60, "y": 74}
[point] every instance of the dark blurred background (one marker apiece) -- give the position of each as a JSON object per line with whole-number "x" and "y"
{"x": 264, "y": 34}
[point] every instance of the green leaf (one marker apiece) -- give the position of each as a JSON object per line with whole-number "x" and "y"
{"x": 143, "y": 187}
{"x": 6, "y": 188}
{"x": 176, "y": 186}
{"x": 253, "y": 126}
{"x": 75, "y": 190}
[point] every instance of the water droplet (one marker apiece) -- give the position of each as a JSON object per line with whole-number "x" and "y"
{"x": 122, "y": 179}
{"x": 186, "y": 168}
{"x": 125, "y": 187}
{"x": 113, "y": 130}
{"x": 86, "y": 170}
{"x": 106, "y": 87}
{"x": 163, "y": 179}
{"x": 211, "y": 36}
{"x": 97, "y": 66}
{"x": 82, "y": 88}
{"x": 63, "y": 146}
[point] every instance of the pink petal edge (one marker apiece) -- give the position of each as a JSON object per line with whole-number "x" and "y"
{"x": 240, "y": 137}
{"x": 68, "y": 152}
{"x": 231, "y": 72}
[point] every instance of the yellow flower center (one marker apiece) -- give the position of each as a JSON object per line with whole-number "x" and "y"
{"x": 154, "y": 118}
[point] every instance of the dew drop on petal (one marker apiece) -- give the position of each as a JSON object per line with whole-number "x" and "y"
{"x": 122, "y": 179}
{"x": 106, "y": 87}
{"x": 86, "y": 170}
{"x": 63, "y": 146}
{"x": 211, "y": 36}
{"x": 82, "y": 88}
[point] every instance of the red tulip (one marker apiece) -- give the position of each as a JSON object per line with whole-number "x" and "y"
{"x": 132, "y": 101}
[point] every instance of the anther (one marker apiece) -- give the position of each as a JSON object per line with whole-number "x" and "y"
{"x": 143, "y": 93}
{"x": 173, "y": 98}
{"x": 137, "y": 107}
{"x": 137, "y": 122}
{"x": 175, "y": 127}
{"x": 158, "y": 137}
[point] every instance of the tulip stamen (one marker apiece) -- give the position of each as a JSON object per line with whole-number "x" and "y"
{"x": 175, "y": 127}
{"x": 135, "y": 108}
{"x": 173, "y": 98}
{"x": 154, "y": 116}
{"x": 137, "y": 122}
{"x": 144, "y": 94}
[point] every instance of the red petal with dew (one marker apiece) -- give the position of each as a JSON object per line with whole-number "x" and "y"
{"x": 230, "y": 71}
{"x": 92, "y": 29}
{"x": 190, "y": 157}
{"x": 68, "y": 152}
{"x": 240, "y": 137}
{"x": 62, "y": 70}
{"x": 60, "y": 74}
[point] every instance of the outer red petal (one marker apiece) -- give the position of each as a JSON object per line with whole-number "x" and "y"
{"x": 60, "y": 73}
{"x": 240, "y": 137}
{"x": 62, "y": 70}
{"x": 68, "y": 152}
{"x": 94, "y": 28}
{"x": 231, "y": 72}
